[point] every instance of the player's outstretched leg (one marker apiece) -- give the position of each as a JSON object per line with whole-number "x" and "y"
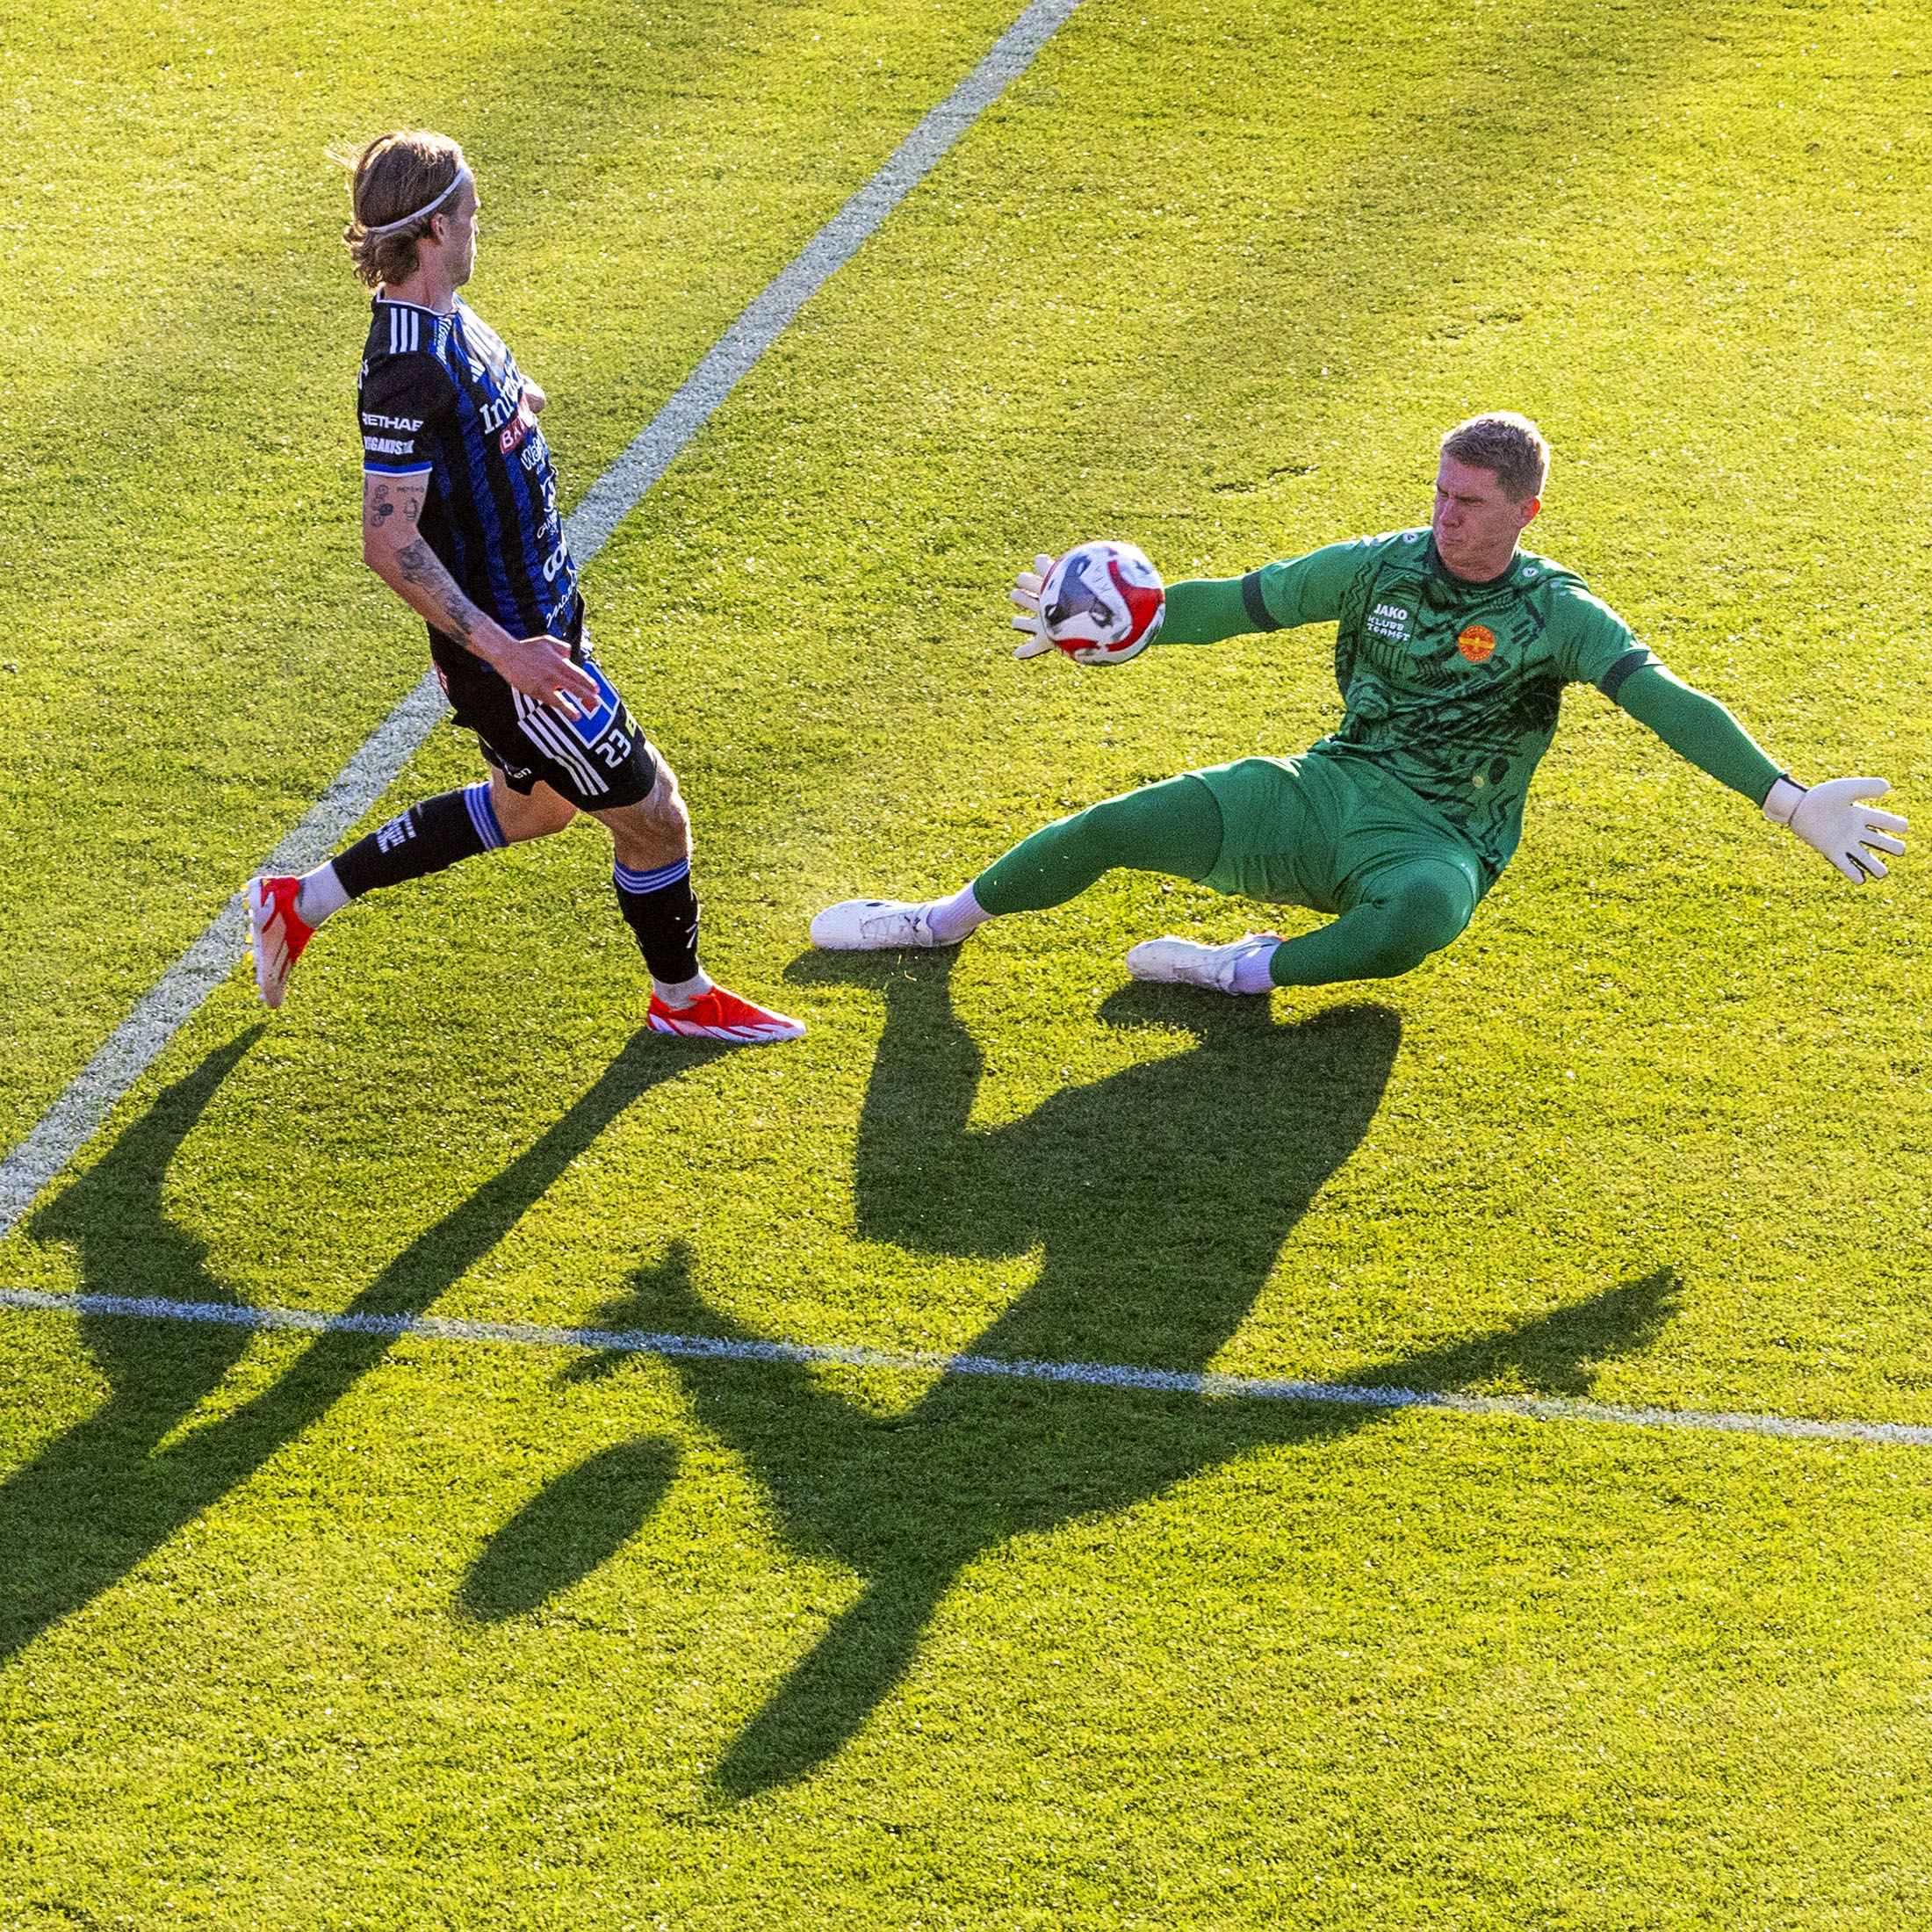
{"x": 1401, "y": 916}
{"x": 652, "y": 878}
{"x": 1173, "y": 827}
{"x": 432, "y": 834}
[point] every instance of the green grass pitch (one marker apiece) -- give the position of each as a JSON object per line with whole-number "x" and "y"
{"x": 302, "y": 1632}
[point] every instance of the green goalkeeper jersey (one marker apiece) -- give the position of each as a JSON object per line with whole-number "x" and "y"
{"x": 1452, "y": 687}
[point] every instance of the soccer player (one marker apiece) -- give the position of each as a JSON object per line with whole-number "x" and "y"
{"x": 461, "y": 520}
{"x": 1452, "y": 646}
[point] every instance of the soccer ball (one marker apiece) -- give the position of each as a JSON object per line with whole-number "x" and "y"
{"x": 1102, "y": 603}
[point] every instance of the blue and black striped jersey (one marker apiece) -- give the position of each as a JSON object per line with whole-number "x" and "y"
{"x": 441, "y": 397}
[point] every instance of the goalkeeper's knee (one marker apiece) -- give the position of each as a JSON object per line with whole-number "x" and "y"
{"x": 1411, "y": 912}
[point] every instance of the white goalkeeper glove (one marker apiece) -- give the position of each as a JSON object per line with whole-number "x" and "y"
{"x": 1834, "y": 820}
{"x": 1026, "y": 594}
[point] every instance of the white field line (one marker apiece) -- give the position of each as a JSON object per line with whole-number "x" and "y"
{"x": 1159, "y": 1381}
{"x": 71, "y": 1121}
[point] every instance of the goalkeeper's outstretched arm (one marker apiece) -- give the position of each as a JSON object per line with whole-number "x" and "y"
{"x": 1205, "y": 609}
{"x": 1836, "y": 818}
{"x": 1276, "y": 597}
{"x": 1200, "y": 611}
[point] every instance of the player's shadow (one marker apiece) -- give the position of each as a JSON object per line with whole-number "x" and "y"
{"x": 1159, "y": 1199}
{"x": 110, "y": 1490}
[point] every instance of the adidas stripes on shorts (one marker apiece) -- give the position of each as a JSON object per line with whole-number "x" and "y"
{"x": 596, "y": 761}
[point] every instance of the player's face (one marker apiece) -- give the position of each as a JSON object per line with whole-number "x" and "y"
{"x": 1475, "y": 524}
{"x": 459, "y": 235}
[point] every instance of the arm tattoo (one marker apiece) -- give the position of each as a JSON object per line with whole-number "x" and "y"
{"x": 421, "y": 566}
{"x": 379, "y": 509}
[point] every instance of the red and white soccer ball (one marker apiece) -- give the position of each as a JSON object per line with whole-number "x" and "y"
{"x": 1102, "y": 603}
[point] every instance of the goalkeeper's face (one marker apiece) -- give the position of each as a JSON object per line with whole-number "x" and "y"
{"x": 1475, "y": 524}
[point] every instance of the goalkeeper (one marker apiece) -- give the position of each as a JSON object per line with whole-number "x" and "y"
{"x": 1452, "y": 646}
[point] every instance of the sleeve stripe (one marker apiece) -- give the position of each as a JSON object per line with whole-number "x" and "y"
{"x": 1254, "y": 604}
{"x": 1624, "y": 668}
{"x": 371, "y": 467}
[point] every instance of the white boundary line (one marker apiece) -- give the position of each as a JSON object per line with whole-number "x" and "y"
{"x": 72, "y": 1121}
{"x": 1160, "y": 1381}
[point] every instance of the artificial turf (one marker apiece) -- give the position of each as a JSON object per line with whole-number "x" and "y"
{"x": 341, "y": 1633}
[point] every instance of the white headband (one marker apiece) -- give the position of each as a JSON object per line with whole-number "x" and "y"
{"x": 390, "y": 228}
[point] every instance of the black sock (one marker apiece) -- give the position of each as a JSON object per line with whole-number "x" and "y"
{"x": 661, "y": 909}
{"x": 430, "y": 836}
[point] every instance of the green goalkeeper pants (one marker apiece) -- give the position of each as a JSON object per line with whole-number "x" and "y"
{"x": 1336, "y": 835}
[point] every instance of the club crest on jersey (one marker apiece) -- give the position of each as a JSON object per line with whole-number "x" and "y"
{"x": 1476, "y": 642}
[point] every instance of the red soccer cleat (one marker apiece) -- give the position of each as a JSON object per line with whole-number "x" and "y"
{"x": 280, "y": 933}
{"x": 720, "y": 1015}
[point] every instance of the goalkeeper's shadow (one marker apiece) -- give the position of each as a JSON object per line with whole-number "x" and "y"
{"x": 1158, "y": 1199}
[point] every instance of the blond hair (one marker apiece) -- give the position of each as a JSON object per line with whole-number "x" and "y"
{"x": 395, "y": 175}
{"x": 1510, "y": 445}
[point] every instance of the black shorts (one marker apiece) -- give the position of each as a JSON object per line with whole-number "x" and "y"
{"x": 596, "y": 762}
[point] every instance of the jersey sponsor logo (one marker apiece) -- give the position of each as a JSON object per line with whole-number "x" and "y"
{"x": 410, "y": 423}
{"x": 1388, "y": 620}
{"x": 387, "y": 446}
{"x": 499, "y": 411}
{"x": 1476, "y": 642}
{"x": 516, "y": 430}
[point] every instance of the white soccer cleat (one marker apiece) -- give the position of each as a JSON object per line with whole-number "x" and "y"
{"x": 280, "y": 933}
{"x": 874, "y": 926}
{"x": 1185, "y": 962}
